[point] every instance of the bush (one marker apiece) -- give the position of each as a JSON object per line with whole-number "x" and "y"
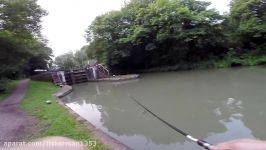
{"x": 3, "y": 85}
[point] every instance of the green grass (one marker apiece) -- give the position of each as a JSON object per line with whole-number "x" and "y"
{"x": 11, "y": 85}
{"x": 54, "y": 119}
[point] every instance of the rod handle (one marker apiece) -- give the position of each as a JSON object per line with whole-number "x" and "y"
{"x": 204, "y": 144}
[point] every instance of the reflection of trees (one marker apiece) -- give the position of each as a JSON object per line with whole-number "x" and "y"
{"x": 196, "y": 102}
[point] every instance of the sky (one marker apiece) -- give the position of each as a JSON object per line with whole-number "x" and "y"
{"x": 67, "y": 20}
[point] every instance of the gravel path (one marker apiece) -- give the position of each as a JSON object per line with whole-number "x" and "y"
{"x": 13, "y": 120}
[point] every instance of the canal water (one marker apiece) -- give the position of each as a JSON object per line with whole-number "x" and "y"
{"x": 215, "y": 105}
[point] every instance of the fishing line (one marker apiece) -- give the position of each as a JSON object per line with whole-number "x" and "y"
{"x": 201, "y": 143}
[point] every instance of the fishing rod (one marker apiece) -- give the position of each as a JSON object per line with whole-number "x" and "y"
{"x": 201, "y": 143}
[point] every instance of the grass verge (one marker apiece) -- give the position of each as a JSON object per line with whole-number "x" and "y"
{"x": 11, "y": 85}
{"x": 54, "y": 119}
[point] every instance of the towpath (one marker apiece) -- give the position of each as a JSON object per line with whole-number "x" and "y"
{"x": 13, "y": 120}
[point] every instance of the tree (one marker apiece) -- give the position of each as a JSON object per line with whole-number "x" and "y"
{"x": 156, "y": 33}
{"x": 65, "y": 61}
{"x": 22, "y": 47}
{"x": 40, "y": 58}
{"x": 80, "y": 57}
{"x": 22, "y": 17}
{"x": 13, "y": 53}
{"x": 248, "y": 25}
{"x": 71, "y": 60}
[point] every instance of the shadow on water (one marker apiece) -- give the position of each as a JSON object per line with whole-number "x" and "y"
{"x": 217, "y": 105}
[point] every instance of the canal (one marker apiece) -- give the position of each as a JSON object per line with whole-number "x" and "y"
{"x": 215, "y": 105}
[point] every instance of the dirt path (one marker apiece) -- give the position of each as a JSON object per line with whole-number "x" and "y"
{"x": 13, "y": 120}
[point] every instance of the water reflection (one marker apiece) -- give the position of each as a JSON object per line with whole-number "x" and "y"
{"x": 217, "y": 105}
